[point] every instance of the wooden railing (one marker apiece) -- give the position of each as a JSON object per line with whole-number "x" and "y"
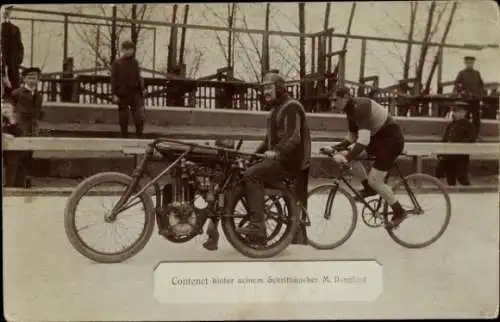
{"x": 210, "y": 94}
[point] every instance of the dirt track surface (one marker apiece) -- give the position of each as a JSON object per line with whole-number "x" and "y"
{"x": 45, "y": 279}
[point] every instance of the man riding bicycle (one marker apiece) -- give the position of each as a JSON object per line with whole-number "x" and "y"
{"x": 287, "y": 150}
{"x": 370, "y": 128}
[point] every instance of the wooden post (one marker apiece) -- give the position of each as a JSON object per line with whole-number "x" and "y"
{"x": 67, "y": 86}
{"x": 172, "y": 46}
{"x": 96, "y": 48}
{"x": 65, "y": 35}
{"x": 183, "y": 35}
{"x": 113, "y": 36}
{"x": 154, "y": 52}
{"x": 313, "y": 54}
{"x": 302, "y": 41}
{"x": 361, "y": 90}
{"x": 133, "y": 27}
{"x": 440, "y": 72}
{"x": 413, "y": 16}
{"x": 341, "y": 74}
{"x": 32, "y": 52}
{"x": 230, "y": 38}
{"x": 265, "y": 44}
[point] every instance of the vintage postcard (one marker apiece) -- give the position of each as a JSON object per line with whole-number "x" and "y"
{"x": 250, "y": 161}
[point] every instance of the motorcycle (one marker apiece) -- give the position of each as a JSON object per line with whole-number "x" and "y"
{"x": 204, "y": 184}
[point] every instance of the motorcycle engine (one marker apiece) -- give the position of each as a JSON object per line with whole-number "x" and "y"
{"x": 183, "y": 210}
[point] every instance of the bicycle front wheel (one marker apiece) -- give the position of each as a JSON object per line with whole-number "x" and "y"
{"x": 428, "y": 208}
{"x": 333, "y": 216}
{"x": 85, "y": 224}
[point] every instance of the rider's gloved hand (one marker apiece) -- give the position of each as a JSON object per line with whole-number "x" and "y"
{"x": 339, "y": 158}
{"x": 343, "y": 145}
{"x": 270, "y": 154}
{"x": 326, "y": 150}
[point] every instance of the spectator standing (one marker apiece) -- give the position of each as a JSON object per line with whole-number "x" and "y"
{"x": 127, "y": 88}
{"x": 460, "y": 129}
{"x": 469, "y": 85}
{"x": 12, "y": 52}
{"x": 22, "y": 120}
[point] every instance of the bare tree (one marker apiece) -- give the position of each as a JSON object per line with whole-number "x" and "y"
{"x": 228, "y": 21}
{"x": 438, "y": 10}
{"x": 424, "y": 48}
{"x": 101, "y": 36}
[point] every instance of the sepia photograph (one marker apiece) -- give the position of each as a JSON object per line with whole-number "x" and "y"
{"x": 250, "y": 161}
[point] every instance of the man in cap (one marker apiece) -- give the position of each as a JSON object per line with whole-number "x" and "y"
{"x": 12, "y": 52}
{"x": 469, "y": 84}
{"x": 370, "y": 129}
{"x": 26, "y": 104}
{"x": 287, "y": 150}
{"x": 460, "y": 129}
{"x": 127, "y": 88}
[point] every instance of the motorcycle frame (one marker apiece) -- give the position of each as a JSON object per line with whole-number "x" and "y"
{"x": 130, "y": 199}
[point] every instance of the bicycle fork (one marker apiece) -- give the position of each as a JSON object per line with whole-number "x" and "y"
{"x": 329, "y": 200}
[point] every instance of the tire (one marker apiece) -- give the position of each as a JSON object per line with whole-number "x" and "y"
{"x": 430, "y": 180}
{"x": 80, "y": 245}
{"x": 354, "y": 217}
{"x": 228, "y": 225}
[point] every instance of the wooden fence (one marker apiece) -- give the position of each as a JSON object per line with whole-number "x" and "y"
{"x": 210, "y": 94}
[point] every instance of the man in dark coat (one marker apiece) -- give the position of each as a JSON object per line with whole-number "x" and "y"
{"x": 128, "y": 89}
{"x": 12, "y": 52}
{"x": 286, "y": 147}
{"x": 26, "y": 104}
{"x": 460, "y": 129}
{"x": 469, "y": 85}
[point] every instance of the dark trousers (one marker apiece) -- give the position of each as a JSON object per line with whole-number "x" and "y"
{"x": 17, "y": 166}
{"x": 255, "y": 177}
{"x": 134, "y": 103}
{"x": 301, "y": 191}
{"x": 454, "y": 167}
{"x": 14, "y": 78}
{"x": 474, "y": 112}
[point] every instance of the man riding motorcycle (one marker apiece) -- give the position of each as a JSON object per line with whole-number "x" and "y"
{"x": 286, "y": 147}
{"x": 371, "y": 128}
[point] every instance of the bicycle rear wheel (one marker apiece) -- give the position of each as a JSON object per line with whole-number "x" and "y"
{"x": 426, "y": 221}
{"x": 330, "y": 206}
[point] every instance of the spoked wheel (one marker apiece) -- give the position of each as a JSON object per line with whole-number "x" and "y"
{"x": 285, "y": 215}
{"x": 95, "y": 197}
{"x": 428, "y": 210}
{"x": 274, "y": 215}
{"x": 332, "y": 214}
{"x": 373, "y": 219}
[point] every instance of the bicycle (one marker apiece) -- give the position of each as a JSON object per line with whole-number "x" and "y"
{"x": 371, "y": 214}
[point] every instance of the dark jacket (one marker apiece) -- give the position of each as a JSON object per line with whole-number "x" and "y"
{"x": 28, "y": 110}
{"x": 12, "y": 45}
{"x": 126, "y": 77}
{"x": 459, "y": 131}
{"x": 470, "y": 82}
{"x": 288, "y": 134}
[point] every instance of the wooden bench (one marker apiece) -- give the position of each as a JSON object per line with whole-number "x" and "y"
{"x": 136, "y": 147}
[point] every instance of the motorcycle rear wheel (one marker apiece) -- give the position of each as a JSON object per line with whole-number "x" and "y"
{"x": 239, "y": 243}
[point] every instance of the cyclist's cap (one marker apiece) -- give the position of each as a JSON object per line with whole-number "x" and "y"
{"x": 127, "y": 44}
{"x": 469, "y": 58}
{"x": 342, "y": 92}
{"x": 31, "y": 70}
